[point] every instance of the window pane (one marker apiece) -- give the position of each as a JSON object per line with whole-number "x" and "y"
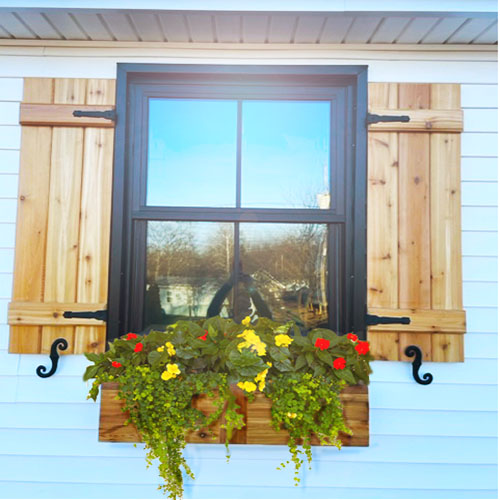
{"x": 192, "y": 153}
{"x": 284, "y": 270}
{"x": 187, "y": 264}
{"x": 286, "y": 154}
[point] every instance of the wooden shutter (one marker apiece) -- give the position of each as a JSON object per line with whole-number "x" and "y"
{"x": 63, "y": 219}
{"x": 414, "y": 232}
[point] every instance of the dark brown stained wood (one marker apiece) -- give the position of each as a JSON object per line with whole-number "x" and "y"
{"x": 61, "y": 115}
{"x": 257, "y": 416}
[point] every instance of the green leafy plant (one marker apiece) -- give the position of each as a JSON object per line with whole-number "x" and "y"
{"x": 160, "y": 374}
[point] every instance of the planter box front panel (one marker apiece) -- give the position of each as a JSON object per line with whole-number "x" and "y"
{"x": 258, "y": 428}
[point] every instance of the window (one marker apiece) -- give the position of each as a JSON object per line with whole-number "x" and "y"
{"x": 239, "y": 190}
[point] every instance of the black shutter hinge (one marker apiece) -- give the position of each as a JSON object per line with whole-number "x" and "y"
{"x": 373, "y": 118}
{"x": 108, "y": 114}
{"x": 101, "y": 315}
{"x": 372, "y": 319}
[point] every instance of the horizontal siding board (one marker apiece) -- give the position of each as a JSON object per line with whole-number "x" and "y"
{"x": 8, "y": 185}
{"x": 9, "y": 161}
{"x": 12, "y": 89}
{"x": 6, "y": 259}
{"x": 482, "y": 319}
{"x": 89, "y": 490}
{"x": 8, "y": 211}
{"x": 480, "y": 269}
{"x": 7, "y": 235}
{"x": 479, "y": 169}
{"x": 479, "y": 144}
{"x": 416, "y": 449}
{"x": 9, "y": 364}
{"x": 9, "y": 112}
{"x": 472, "y": 371}
{"x": 480, "y": 243}
{"x": 49, "y": 416}
{"x": 480, "y": 120}
{"x": 216, "y": 472}
{"x": 434, "y": 396}
{"x": 479, "y": 219}
{"x": 481, "y": 346}
{"x": 6, "y": 285}
{"x": 10, "y": 137}
{"x": 479, "y": 96}
{"x": 479, "y": 194}
{"x": 433, "y": 423}
{"x": 480, "y": 294}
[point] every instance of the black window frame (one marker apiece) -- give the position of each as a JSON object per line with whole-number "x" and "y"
{"x": 136, "y": 83}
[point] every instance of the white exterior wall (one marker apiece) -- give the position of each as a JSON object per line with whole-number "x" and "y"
{"x": 436, "y": 441}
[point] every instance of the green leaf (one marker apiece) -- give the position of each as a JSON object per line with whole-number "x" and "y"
{"x": 347, "y": 375}
{"x": 90, "y": 372}
{"x": 310, "y": 358}
{"x": 95, "y": 358}
{"x": 154, "y": 357}
{"x": 300, "y": 362}
{"x": 325, "y": 357}
{"x": 185, "y": 353}
{"x": 301, "y": 341}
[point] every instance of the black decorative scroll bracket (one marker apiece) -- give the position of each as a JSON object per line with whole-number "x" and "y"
{"x": 101, "y": 315}
{"x": 60, "y": 343}
{"x": 413, "y": 350}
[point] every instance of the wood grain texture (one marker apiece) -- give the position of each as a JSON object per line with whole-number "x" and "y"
{"x": 61, "y": 259}
{"x": 414, "y": 95}
{"x": 422, "y": 320}
{"x": 38, "y": 90}
{"x": 51, "y": 313}
{"x": 414, "y": 221}
{"x": 421, "y": 120}
{"x": 61, "y": 115}
{"x": 383, "y": 96}
{"x": 257, "y": 413}
{"x": 95, "y": 218}
{"x": 31, "y": 231}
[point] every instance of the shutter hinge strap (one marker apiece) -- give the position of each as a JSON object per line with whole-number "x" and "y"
{"x": 101, "y": 315}
{"x": 372, "y": 319}
{"x": 373, "y": 118}
{"x": 108, "y": 114}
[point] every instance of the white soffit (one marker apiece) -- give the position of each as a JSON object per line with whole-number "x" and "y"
{"x": 445, "y": 22}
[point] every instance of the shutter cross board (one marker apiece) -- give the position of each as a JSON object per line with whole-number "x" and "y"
{"x": 414, "y": 232}
{"x": 64, "y": 210}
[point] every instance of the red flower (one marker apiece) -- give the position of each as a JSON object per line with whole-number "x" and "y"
{"x": 116, "y": 364}
{"x": 138, "y": 347}
{"x": 131, "y": 336}
{"x": 362, "y": 347}
{"x": 352, "y": 337}
{"x": 204, "y": 337}
{"x": 322, "y": 344}
{"x": 339, "y": 364}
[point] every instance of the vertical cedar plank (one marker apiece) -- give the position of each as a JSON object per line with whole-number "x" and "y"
{"x": 38, "y": 90}
{"x": 31, "y": 226}
{"x": 93, "y": 252}
{"x": 64, "y": 211}
{"x": 446, "y": 251}
{"x": 414, "y": 216}
{"x": 31, "y": 231}
{"x": 414, "y": 95}
{"x": 382, "y": 205}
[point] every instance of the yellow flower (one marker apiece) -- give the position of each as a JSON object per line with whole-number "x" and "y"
{"x": 246, "y": 321}
{"x": 171, "y": 372}
{"x": 261, "y": 379}
{"x": 283, "y": 340}
{"x": 161, "y": 349}
{"x": 291, "y": 415}
{"x": 253, "y": 342}
{"x": 247, "y": 386}
{"x": 268, "y": 363}
{"x": 170, "y": 348}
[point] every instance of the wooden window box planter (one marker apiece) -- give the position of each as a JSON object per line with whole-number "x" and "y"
{"x": 257, "y": 430}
